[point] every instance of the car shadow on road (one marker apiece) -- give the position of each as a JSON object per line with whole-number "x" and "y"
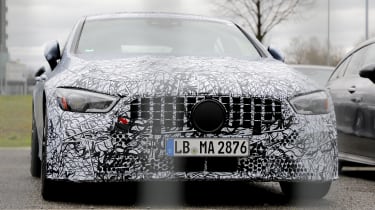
{"x": 177, "y": 194}
{"x": 367, "y": 173}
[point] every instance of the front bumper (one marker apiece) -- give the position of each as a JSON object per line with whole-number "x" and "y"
{"x": 89, "y": 147}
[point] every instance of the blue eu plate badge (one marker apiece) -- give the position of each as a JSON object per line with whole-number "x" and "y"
{"x": 170, "y": 147}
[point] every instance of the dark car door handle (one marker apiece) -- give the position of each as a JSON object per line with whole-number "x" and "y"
{"x": 356, "y": 99}
{"x": 352, "y": 89}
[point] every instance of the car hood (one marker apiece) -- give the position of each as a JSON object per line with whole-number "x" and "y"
{"x": 153, "y": 76}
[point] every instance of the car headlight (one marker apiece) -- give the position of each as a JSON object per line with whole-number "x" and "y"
{"x": 75, "y": 100}
{"x": 312, "y": 103}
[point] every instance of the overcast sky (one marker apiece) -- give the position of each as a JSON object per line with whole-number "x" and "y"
{"x": 33, "y": 22}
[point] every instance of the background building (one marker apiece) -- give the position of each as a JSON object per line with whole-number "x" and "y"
{"x": 15, "y": 78}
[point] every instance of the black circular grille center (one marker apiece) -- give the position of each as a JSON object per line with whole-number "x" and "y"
{"x": 208, "y": 116}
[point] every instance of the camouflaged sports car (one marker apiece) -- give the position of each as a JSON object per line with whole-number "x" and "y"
{"x": 155, "y": 96}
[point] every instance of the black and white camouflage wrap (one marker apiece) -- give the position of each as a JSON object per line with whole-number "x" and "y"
{"x": 89, "y": 147}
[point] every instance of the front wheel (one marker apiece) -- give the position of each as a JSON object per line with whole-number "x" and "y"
{"x": 35, "y": 161}
{"x": 305, "y": 190}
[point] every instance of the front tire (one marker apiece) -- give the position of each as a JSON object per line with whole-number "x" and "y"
{"x": 35, "y": 165}
{"x": 305, "y": 190}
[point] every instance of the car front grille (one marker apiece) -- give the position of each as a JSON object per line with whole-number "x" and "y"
{"x": 167, "y": 113}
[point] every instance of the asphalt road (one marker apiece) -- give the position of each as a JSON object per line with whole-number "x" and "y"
{"x": 18, "y": 190}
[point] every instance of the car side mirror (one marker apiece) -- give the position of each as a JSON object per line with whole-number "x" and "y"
{"x": 39, "y": 73}
{"x": 368, "y": 72}
{"x": 276, "y": 54}
{"x": 52, "y": 53}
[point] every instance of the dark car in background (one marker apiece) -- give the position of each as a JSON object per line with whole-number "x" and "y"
{"x": 319, "y": 74}
{"x": 353, "y": 92}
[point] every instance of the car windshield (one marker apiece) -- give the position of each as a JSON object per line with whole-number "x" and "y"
{"x": 164, "y": 36}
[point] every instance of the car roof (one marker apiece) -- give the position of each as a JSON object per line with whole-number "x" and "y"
{"x": 362, "y": 44}
{"x": 359, "y": 46}
{"x": 154, "y": 15}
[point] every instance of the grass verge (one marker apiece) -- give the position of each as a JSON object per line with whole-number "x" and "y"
{"x": 15, "y": 121}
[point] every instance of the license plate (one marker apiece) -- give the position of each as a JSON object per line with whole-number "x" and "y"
{"x": 207, "y": 147}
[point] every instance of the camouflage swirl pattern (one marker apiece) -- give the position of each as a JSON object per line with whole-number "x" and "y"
{"x": 90, "y": 147}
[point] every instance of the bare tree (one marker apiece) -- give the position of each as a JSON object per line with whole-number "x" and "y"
{"x": 311, "y": 51}
{"x": 261, "y": 16}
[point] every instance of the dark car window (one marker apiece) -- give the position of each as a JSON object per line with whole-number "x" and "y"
{"x": 163, "y": 36}
{"x": 370, "y": 55}
{"x": 356, "y": 62}
{"x": 339, "y": 72}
